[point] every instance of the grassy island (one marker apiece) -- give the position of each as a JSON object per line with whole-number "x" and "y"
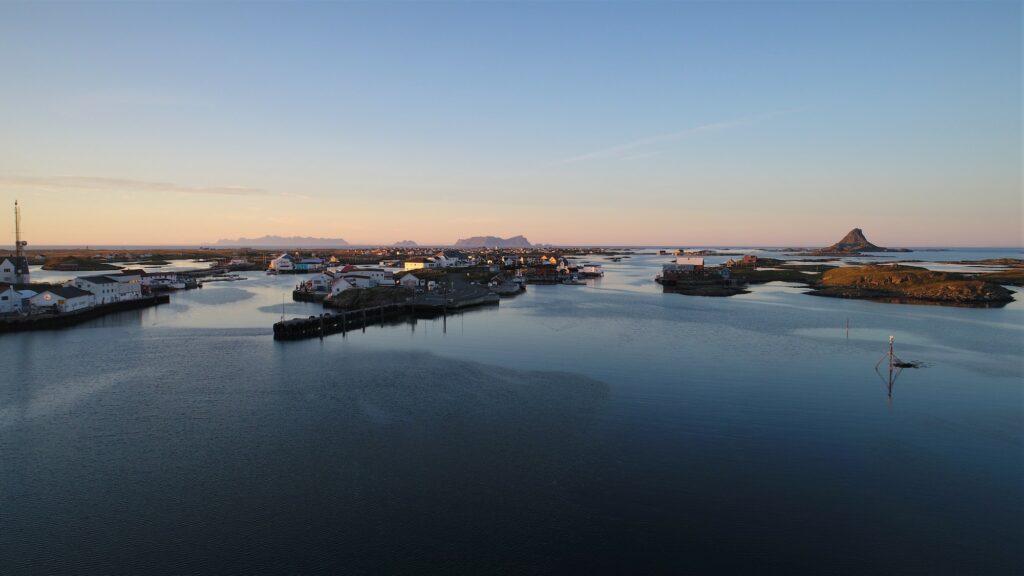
{"x": 73, "y": 264}
{"x": 911, "y": 285}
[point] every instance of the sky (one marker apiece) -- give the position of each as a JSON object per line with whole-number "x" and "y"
{"x": 733, "y": 124}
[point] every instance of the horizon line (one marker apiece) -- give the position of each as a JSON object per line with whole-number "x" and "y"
{"x": 533, "y": 245}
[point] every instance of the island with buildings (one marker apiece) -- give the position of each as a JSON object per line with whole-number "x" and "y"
{"x": 894, "y": 282}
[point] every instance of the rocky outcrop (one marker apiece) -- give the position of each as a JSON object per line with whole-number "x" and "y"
{"x": 854, "y": 243}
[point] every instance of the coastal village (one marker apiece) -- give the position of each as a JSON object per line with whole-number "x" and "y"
{"x": 408, "y": 279}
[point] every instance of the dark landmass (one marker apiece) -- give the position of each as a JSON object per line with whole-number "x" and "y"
{"x": 73, "y": 264}
{"x": 711, "y": 253}
{"x": 285, "y": 242}
{"x": 493, "y": 242}
{"x": 710, "y": 288}
{"x": 762, "y": 276}
{"x": 808, "y": 267}
{"x": 911, "y": 285}
{"x": 359, "y": 298}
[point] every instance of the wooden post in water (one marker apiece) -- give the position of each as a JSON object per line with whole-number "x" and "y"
{"x": 364, "y": 320}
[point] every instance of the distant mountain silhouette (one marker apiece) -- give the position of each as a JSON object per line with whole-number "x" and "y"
{"x": 493, "y": 242}
{"x": 855, "y": 242}
{"x": 405, "y": 244}
{"x": 285, "y": 242}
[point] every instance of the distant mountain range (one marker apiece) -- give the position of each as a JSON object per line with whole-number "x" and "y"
{"x": 405, "y": 244}
{"x": 493, "y": 242}
{"x": 285, "y": 242}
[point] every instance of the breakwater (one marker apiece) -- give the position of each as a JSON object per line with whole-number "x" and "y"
{"x": 345, "y": 320}
{"x": 62, "y": 320}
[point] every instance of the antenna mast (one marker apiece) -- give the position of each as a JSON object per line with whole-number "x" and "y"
{"x": 19, "y": 246}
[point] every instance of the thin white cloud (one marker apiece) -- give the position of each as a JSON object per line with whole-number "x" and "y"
{"x": 104, "y": 184}
{"x": 636, "y": 148}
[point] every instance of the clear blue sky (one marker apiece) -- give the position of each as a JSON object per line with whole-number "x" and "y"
{"x": 768, "y": 123}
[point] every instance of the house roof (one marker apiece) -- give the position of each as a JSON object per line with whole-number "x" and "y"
{"x": 5, "y": 287}
{"x": 70, "y": 291}
{"x": 98, "y": 279}
{"x": 63, "y": 291}
{"x": 452, "y": 254}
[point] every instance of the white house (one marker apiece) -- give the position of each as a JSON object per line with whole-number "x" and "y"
{"x": 409, "y": 281}
{"x": 350, "y": 281}
{"x": 160, "y": 280}
{"x": 62, "y": 299}
{"x": 283, "y": 263}
{"x": 10, "y": 299}
{"x": 320, "y": 282}
{"x": 379, "y": 276}
{"x": 451, "y": 258}
{"x": 104, "y": 288}
{"x": 129, "y": 286}
{"x": 14, "y": 270}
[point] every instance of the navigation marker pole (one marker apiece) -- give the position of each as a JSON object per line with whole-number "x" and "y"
{"x": 893, "y": 361}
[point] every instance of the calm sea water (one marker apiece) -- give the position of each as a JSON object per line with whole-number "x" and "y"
{"x": 600, "y": 428}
